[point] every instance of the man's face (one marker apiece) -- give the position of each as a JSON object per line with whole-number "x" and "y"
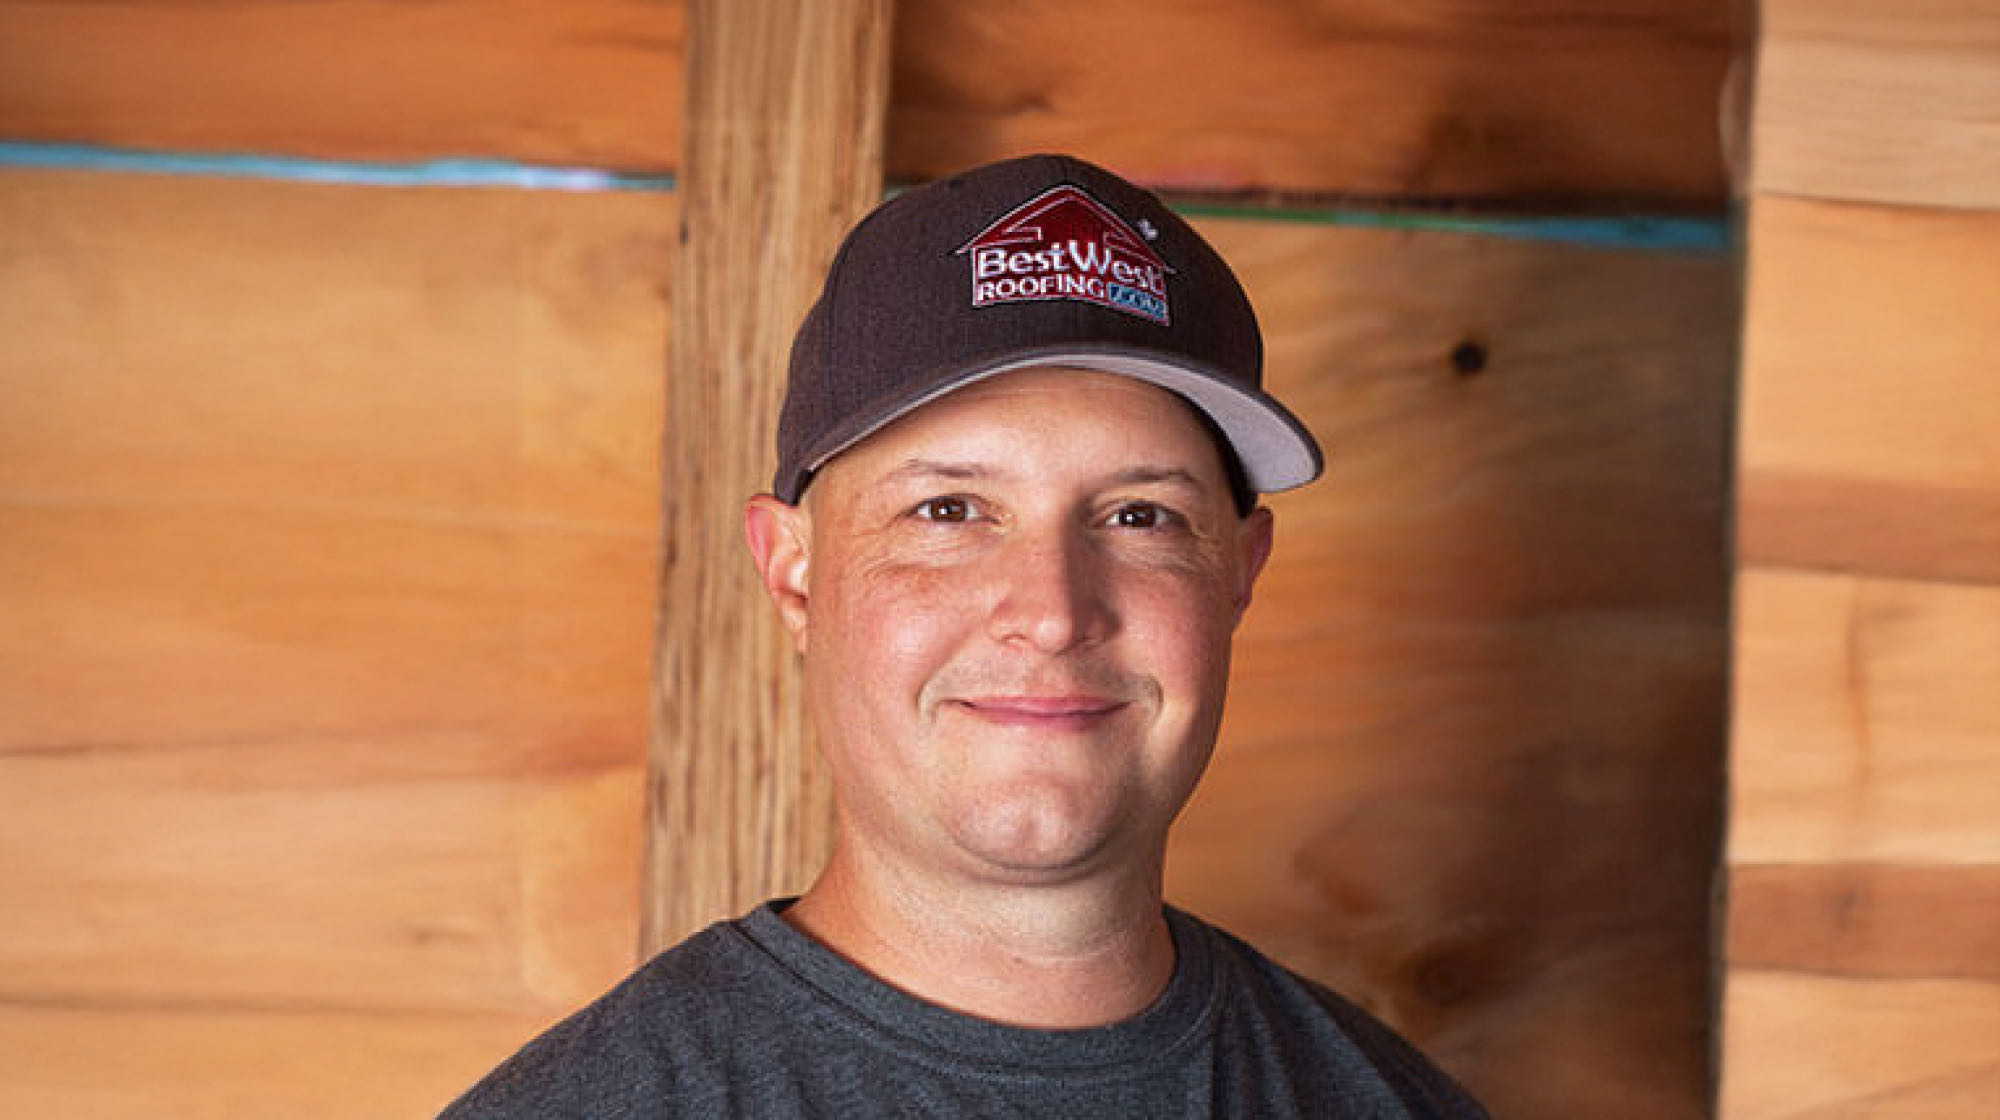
{"x": 1015, "y": 606}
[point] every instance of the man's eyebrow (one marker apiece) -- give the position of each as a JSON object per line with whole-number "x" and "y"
{"x": 936, "y": 468}
{"x": 1147, "y": 476}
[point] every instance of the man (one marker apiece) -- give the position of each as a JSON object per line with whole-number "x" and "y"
{"x": 1013, "y": 529}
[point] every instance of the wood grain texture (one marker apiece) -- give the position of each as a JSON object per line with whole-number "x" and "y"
{"x": 1870, "y": 921}
{"x": 327, "y": 546}
{"x": 369, "y": 875}
{"x": 1531, "y": 100}
{"x": 592, "y": 83}
{"x": 1865, "y": 717}
{"x": 1864, "y": 908}
{"x": 784, "y": 152}
{"x": 1879, "y": 102}
{"x": 1869, "y": 406}
{"x": 1803, "y": 1047}
{"x": 199, "y": 1063}
{"x": 1470, "y": 771}
{"x": 1525, "y": 100}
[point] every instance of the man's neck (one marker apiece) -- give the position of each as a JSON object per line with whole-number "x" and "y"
{"x": 1077, "y": 955}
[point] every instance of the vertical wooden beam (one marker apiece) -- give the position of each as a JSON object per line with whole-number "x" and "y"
{"x": 1863, "y": 931}
{"x": 782, "y": 152}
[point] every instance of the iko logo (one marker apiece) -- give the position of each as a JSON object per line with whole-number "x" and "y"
{"x": 1064, "y": 244}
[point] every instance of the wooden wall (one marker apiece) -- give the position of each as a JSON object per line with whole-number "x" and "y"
{"x": 1471, "y": 767}
{"x": 1549, "y": 101}
{"x": 1864, "y": 910}
{"x": 328, "y": 527}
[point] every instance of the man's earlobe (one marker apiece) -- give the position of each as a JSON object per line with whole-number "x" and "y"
{"x": 779, "y": 536}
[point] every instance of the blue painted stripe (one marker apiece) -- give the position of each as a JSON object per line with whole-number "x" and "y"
{"x": 1659, "y": 233}
{"x": 425, "y": 173}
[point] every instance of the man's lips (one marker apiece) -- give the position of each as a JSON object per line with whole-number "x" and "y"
{"x": 1061, "y": 712}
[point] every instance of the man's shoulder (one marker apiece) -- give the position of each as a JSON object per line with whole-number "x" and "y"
{"x": 1272, "y": 1014}
{"x": 647, "y": 1035}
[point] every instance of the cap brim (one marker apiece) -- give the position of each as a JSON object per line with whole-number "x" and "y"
{"x": 1276, "y": 450}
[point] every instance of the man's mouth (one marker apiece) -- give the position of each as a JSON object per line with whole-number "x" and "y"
{"x": 1043, "y": 712}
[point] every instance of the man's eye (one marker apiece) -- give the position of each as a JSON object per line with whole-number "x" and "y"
{"x": 1139, "y": 515}
{"x": 950, "y": 510}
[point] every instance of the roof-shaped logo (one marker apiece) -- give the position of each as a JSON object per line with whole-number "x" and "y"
{"x": 1064, "y": 244}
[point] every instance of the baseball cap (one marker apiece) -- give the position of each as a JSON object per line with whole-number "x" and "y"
{"x": 1036, "y": 261}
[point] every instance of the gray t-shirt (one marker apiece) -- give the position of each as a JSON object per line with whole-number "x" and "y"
{"x": 753, "y": 1018}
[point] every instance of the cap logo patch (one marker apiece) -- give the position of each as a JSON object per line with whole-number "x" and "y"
{"x": 1064, "y": 244}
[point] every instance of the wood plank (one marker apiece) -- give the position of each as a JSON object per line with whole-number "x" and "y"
{"x": 1552, "y": 101}
{"x": 785, "y": 100}
{"x": 1800, "y": 1047}
{"x": 382, "y": 875}
{"x": 385, "y": 460}
{"x": 1470, "y": 772}
{"x": 1864, "y": 723}
{"x": 1867, "y": 921}
{"x": 326, "y": 624}
{"x": 586, "y": 83}
{"x": 1869, "y": 409}
{"x": 1561, "y": 100}
{"x": 1864, "y": 897}
{"x": 327, "y": 545}
{"x": 136, "y": 1063}
{"x": 1879, "y": 102}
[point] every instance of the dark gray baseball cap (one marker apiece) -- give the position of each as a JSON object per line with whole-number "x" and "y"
{"x": 1037, "y": 261}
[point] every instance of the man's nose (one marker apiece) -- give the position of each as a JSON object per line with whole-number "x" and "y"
{"x": 1053, "y": 593}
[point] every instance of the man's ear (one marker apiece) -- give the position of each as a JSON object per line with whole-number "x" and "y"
{"x": 1254, "y": 544}
{"x": 780, "y": 544}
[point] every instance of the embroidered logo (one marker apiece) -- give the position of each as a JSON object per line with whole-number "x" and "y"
{"x": 1064, "y": 244}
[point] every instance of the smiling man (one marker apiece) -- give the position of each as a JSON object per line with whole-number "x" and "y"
{"x": 1013, "y": 529}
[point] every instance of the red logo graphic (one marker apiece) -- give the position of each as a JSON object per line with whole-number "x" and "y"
{"x": 1064, "y": 244}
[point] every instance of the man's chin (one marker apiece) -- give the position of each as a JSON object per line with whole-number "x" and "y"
{"x": 1037, "y": 844}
